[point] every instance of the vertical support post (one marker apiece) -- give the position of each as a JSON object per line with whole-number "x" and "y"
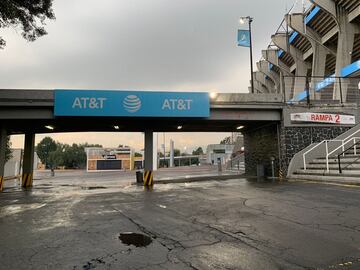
{"x": 3, "y": 135}
{"x": 327, "y": 156}
{"x": 355, "y": 146}
{"x": 251, "y": 57}
{"x": 148, "y": 166}
{"x": 28, "y": 164}
{"x": 148, "y": 150}
{"x": 171, "y": 153}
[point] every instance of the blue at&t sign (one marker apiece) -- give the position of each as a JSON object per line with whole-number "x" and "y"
{"x": 131, "y": 103}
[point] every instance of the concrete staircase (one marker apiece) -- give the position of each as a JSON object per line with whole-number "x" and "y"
{"x": 316, "y": 162}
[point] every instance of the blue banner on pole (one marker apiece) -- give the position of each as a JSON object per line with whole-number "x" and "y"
{"x": 131, "y": 103}
{"x": 243, "y": 38}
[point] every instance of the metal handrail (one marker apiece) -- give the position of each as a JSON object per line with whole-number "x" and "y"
{"x": 327, "y": 149}
{"x": 343, "y": 152}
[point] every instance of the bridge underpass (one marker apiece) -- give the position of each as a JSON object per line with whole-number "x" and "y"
{"x": 31, "y": 112}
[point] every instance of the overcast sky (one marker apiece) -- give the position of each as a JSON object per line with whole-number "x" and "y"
{"x": 187, "y": 45}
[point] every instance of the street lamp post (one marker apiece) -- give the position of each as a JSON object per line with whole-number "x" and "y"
{"x": 242, "y": 21}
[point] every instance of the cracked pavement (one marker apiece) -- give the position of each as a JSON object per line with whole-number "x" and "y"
{"x": 233, "y": 224}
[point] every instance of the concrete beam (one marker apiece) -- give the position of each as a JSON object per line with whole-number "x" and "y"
{"x": 3, "y": 136}
{"x": 263, "y": 66}
{"x": 28, "y": 163}
{"x": 261, "y": 77}
{"x": 259, "y": 87}
{"x": 271, "y": 56}
{"x": 354, "y": 14}
{"x": 296, "y": 22}
{"x": 282, "y": 41}
{"x": 326, "y": 5}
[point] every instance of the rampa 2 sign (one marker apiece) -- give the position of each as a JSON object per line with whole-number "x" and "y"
{"x": 131, "y": 103}
{"x": 328, "y": 118}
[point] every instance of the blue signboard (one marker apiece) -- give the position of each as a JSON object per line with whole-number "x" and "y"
{"x": 131, "y": 103}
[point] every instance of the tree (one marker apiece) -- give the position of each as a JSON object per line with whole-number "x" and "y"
{"x": 176, "y": 152}
{"x": 44, "y": 148}
{"x": 8, "y": 152}
{"x": 74, "y": 156}
{"x": 226, "y": 140}
{"x": 198, "y": 151}
{"x": 30, "y": 16}
{"x": 56, "y": 158}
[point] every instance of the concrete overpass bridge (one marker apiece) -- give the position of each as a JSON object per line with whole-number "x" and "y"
{"x": 270, "y": 126}
{"x": 34, "y": 111}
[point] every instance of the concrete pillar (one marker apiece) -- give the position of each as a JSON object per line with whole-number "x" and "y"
{"x": 148, "y": 166}
{"x": 259, "y": 87}
{"x": 263, "y": 66}
{"x": 281, "y": 40}
{"x": 171, "y": 153}
{"x": 345, "y": 47}
{"x": 261, "y": 77}
{"x": 286, "y": 77}
{"x": 3, "y": 136}
{"x": 296, "y": 22}
{"x": 28, "y": 163}
{"x": 346, "y": 35}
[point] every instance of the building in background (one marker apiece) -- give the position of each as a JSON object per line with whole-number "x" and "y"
{"x": 13, "y": 168}
{"x": 111, "y": 159}
{"x": 219, "y": 152}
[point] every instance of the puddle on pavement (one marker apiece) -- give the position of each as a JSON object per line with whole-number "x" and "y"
{"x": 136, "y": 239}
{"x": 95, "y": 187}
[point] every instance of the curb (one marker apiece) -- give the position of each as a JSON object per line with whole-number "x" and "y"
{"x": 198, "y": 179}
{"x": 327, "y": 182}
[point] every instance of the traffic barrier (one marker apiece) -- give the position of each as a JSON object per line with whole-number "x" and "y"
{"x": 148, "y": 178}
{"x": 1, "y": 183}
{"x": 27, "y": 180}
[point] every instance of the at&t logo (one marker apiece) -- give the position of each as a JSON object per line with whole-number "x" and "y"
{"x": 132, "y": 103}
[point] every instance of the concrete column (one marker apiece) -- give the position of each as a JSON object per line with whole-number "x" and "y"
{"x": 148, "y": 166}
{"x": 345, "y": 47}
{"x": 261, "y": 77}
{"x": 259, "y": 87}
{"x": 281, "y": 40}
{"x": 28, "y": 163}
{"x": 263, "y": 66}
{"x": 3, "y": 136}
{"x": 296, "y": 22}
{"x": 286, "y": 77}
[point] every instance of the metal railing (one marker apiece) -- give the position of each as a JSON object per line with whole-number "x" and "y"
{"x": 328, "y": 153}
{"x": 305, "y": 90}
{"x": 343, "y": 154}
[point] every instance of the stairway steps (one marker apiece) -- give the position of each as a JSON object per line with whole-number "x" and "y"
{"x": 334, "y": 166}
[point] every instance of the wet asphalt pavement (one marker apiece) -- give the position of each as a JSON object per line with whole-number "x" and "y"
{"x": 233, "y": 224}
